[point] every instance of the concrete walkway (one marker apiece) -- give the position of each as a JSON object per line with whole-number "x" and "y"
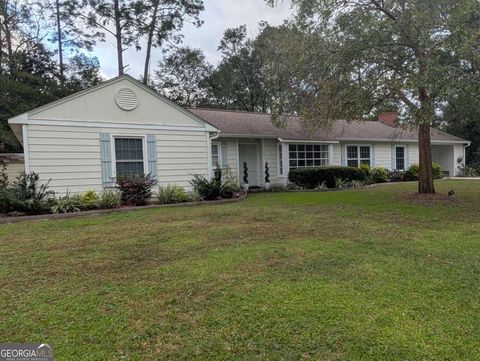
{"x": 464, "y": 178}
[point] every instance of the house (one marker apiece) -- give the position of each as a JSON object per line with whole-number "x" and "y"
{"x": 121, "y": 127}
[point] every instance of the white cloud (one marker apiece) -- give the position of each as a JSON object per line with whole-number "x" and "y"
{"x": 218, "y": 16}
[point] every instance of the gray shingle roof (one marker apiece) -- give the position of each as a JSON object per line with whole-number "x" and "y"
{"x": 238, "y": 123}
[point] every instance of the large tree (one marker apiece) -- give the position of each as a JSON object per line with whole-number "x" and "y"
{"x": 70, "y": 31}
{"x": 116, "y": 18}
{"x": 160, "y": 22}
{"x": 404, "y": 52}
{"x": 237, "y": 82}
{"x": 181, "y": 76}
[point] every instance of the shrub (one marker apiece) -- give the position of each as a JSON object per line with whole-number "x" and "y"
{"x": 366, "y": 168}
{"x": 207, "y": 189}
{"x": 378, "y": 175}
{"x": 412, "y": 173}
{"x": 171, "y": 194}
{"x": 3, "y": 176}
{"x": 230, "y": 184}
{"x": 396, "y": 176}
{"x": 468, "y": 171}
{"x": 68, "y": 204}
{"x": 136, "y": 189}
{"x": 90, "y": 200}
{"x": 313, "y": 177}
{"x": 437, "y": 171}
{"x": 109, "y": 199}
{"x": 31, "y": 197}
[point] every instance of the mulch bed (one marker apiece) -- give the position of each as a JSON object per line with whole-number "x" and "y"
{"x": 16, "y": 219}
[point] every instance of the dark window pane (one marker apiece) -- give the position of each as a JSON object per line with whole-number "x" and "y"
{"x": 318, "y": 162}
{"x": 301, "y": 148}
{"x": 365, "y": 152}
{"x": 352, "y": 152}
{"x": 301, "y": 155}
{"x": 293, "y": 163}
{"x": 316, "y": 147}
{"x": 292, "y": 147}
{"x": 309, "y": 147}
{"x": 352, "y": 163}
{"x": 309, "y": 163}
{"x": 129, "y": 168}
{"x": 309, "y": 155}
{"x": 365, "y": 162}
{"x": 293, "y": 155}
{"x": 301, "y": 163}
{"x": 400, "y": 163}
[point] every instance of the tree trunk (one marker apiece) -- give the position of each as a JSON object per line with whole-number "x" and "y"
{"x": 59, "y": 39}
{"x": 425, "y": 174}
{"x": 118, "y": 37}
{"x": 151, "y": 34}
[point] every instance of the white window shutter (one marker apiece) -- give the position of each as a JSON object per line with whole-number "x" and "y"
{"x": 407, "y": 156}
{"x": 106, "y": 160}
{"x": 393, "y": 166}
{"x": 152, "y": 155}
{"x": 343, "y": 150}
{"x": 372, "y": 156}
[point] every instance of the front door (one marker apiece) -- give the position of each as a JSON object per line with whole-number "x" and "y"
{"x": 248, "y": 152}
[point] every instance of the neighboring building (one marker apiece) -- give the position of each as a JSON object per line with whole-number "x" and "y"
{"x": 120, "y": 127}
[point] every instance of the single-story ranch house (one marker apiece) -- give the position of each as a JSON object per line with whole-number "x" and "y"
{"x": 119, "y": 127}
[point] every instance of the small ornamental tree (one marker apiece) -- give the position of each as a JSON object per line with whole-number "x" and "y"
{"x": 267, "y": 173}
{"x": 245, "y": 173}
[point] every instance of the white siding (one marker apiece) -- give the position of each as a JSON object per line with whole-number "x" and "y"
{"x": 459, "y": 152}
{"x": 383, "y": 155}
{"x": 70, "y": 156}
{"x": 336, "y": 156}
{"x": 13, "y": 170}
{"x": 100, "y": 106}
{"x": 270, "y": 155}
{"x": 232, "y": 153}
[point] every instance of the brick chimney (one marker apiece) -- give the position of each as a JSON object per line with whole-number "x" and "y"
{"x": 389, "y": 118}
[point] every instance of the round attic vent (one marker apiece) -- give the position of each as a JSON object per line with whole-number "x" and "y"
{"x": 126, "y": 99}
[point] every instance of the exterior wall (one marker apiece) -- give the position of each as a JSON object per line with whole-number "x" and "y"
{"x": 70, "y": 156}
{"x": 459, "y": 153}
{"x": 268, "y": 152}
{"x": 14, "y": 165}
{"x": 270, "y": 155}
{"x": 100, "y": 105}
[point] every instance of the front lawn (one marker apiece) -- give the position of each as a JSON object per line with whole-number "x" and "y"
{"x": 371, "y": 274}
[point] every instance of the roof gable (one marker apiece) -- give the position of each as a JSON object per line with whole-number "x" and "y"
{"x": 119, "y": 100}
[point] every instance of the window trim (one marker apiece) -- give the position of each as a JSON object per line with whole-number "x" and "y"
{"x": 129, "y": 136}
{"x": 404, "y": 157}
{"x": 220, "y": 159}
{"x": 359, "y": 159}
{"x": 328, "y": 159}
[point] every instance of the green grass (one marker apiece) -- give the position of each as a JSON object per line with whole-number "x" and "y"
{"x": 367, "y": 274}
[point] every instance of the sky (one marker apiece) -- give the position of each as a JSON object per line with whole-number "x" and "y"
{"x": 217, "y": 16}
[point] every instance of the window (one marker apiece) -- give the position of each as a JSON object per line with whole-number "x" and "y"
{"x": 308, "y": 155}
{"x": 400, "y": 158}
{"x": 357, "y": 155}
{"x": 129, "y": 156}
{"x": 216, "y": 162}
{"x": 280, "y": 160}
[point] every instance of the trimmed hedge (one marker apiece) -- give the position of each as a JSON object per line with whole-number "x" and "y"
{"x": 311, "y": 178}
